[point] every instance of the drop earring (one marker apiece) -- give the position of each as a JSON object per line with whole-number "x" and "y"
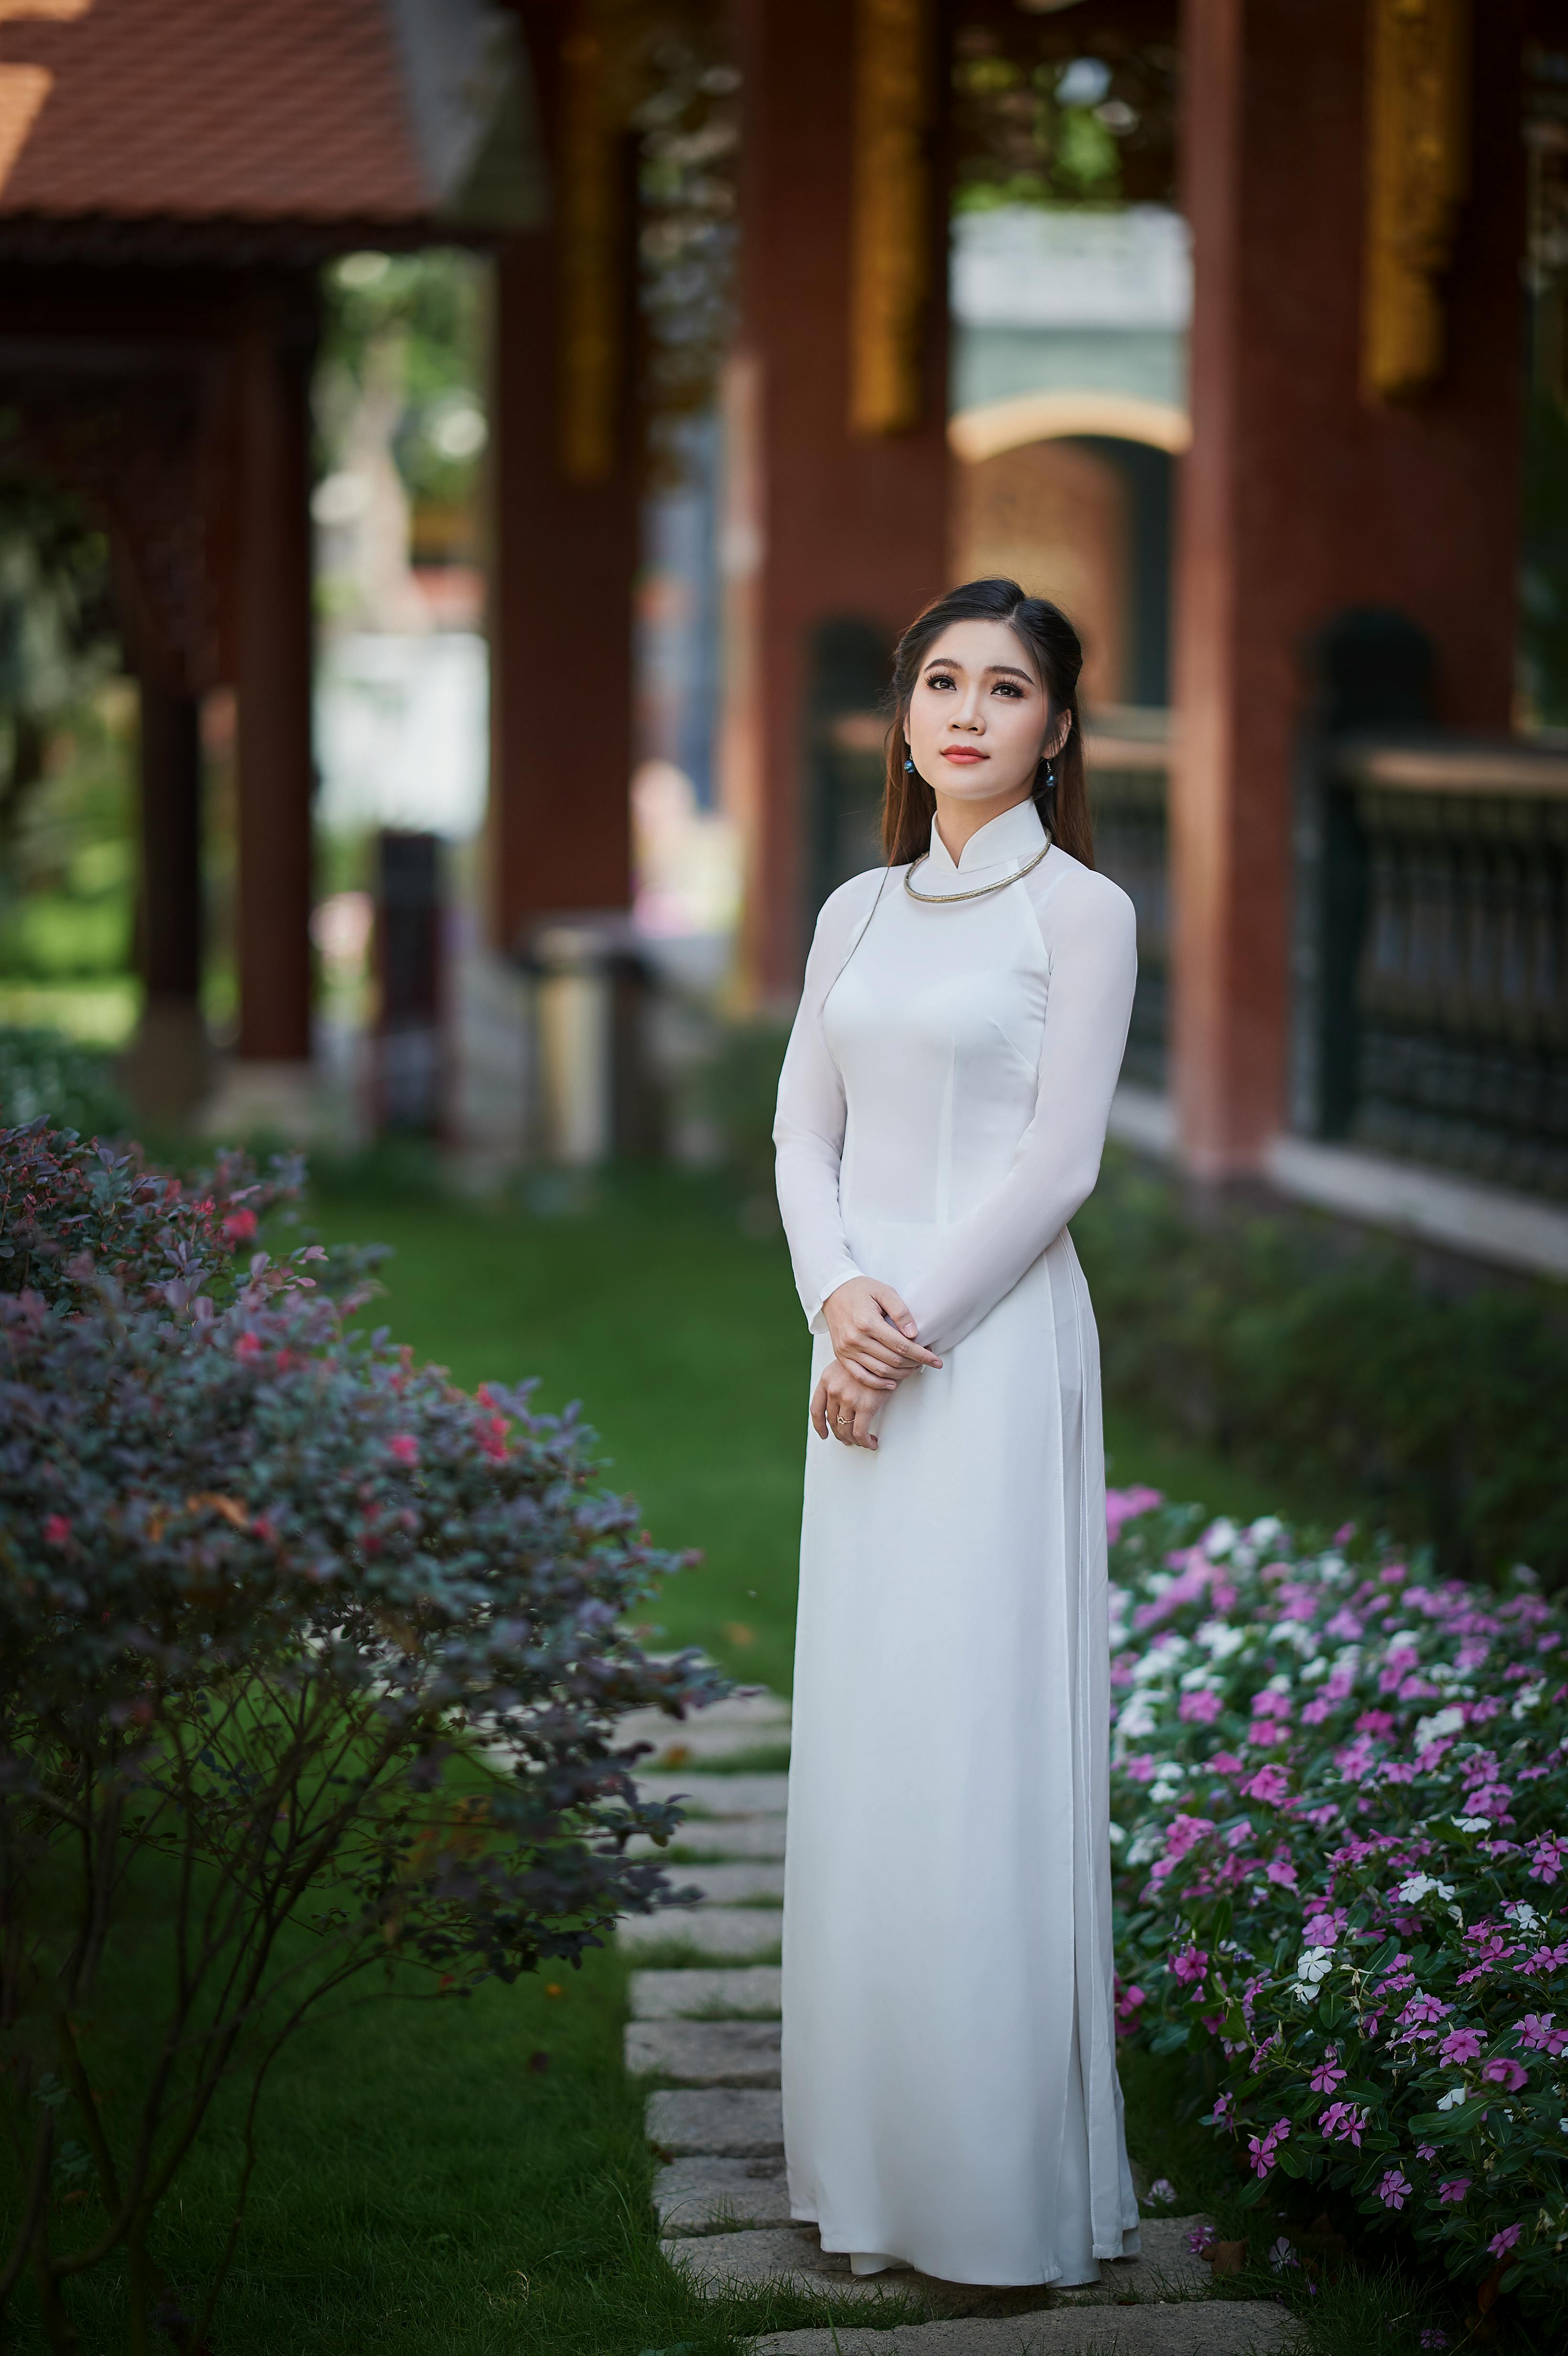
{"x": 910, "y": 767}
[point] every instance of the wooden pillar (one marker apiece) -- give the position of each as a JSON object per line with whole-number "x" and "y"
{"x": 1305, "y": 493}
{"x": 167, "y": 1068}
{"x": 272, "y": 612}
{"x": 565, "y": 512}
{"x": 838, "y": 411}
{"x": 171, "y": 916}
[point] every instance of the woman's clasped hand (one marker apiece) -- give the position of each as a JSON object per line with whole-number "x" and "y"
{"x": 875, "y": 1344}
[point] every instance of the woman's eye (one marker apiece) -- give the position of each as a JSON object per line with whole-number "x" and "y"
{"x": 1007, "y": 687}
{"x": 939, "y": 679}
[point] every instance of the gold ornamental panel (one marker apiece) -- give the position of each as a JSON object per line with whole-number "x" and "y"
{"x": 890, "y": 253}
{"x": 1417, "y": 178}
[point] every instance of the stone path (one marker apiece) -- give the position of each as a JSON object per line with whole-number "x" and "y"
{"x": 706, "y": 2025}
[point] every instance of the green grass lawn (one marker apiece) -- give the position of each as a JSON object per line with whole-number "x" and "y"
{"x": 642, "y": 1295}
{"x": 472, "y": 2179}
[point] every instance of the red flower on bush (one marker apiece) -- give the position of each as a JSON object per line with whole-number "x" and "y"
{"x": 239, "y": 1226}
{"x": 404, "y": 1446}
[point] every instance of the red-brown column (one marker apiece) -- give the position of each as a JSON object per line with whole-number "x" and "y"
{"x": 565, "y": 506}
{"x": 1299, "y": 498}
{"x": 563, "y": 566}
{"x": 272, "y": 612}
{"x": 843, "y": 523}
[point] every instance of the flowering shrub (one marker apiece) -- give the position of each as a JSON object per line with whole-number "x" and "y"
{"x": 1340, "y": 1804}
{"x": 302, "y": 1647}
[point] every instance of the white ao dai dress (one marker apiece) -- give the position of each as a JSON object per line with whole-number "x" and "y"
{"x": 950, "y": 2088}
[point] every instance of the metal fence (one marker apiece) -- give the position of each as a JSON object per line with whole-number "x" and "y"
{"x": 1128, "y": 763}
{"x": 1433, "y": 953}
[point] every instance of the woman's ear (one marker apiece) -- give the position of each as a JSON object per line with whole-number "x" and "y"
{"x": 1061, "y": 728}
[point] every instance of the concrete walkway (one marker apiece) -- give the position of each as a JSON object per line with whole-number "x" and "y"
{"x": 705, "y": 2022}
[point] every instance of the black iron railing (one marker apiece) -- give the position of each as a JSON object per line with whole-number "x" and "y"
{"x": 1128, "y": 762}
{"x": 1433, "y": 953}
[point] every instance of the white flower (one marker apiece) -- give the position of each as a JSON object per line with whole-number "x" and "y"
{"x": 1422, "y": 1885}
{"x": 1472, "y": 1824}
{"x": 1118, "y": 1834}
{"x": 1441, "y": 1722}
{"x": 1162, "y": 1794}
{"x": 1265, "y": 1530}
{"x": 1146, "y": 1844}
{"x": 1219, "y": 1538}
{"x": 1194, "y": 1680}
{"x": 1522, "y": 1915}
{"x": 1133, "y": 1720}
{"x": 1220, "y": 1640}
{"x": 1293, "y": 1632}
{"x": 1315, "y": 1669}
{"x": 1529, "y": 1696}
{"x": 1313, "y": 1967}
{"x": 1452, "y": 2099}
{"x": 1349, "y": 1656}
{"x": 1332, "y": 1569}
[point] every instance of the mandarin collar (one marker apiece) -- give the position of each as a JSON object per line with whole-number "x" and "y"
{"x": 1004, "y": 841}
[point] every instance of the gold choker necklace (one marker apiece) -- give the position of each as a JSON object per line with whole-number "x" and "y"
{"x": 935, "y": 899}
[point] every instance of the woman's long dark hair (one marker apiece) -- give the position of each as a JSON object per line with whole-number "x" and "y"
{"x": 1051, "y": 644}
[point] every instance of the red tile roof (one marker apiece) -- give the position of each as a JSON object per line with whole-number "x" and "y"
{"x": 198, "y": 109}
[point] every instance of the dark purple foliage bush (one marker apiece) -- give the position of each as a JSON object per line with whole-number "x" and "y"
{"x": 321, "y": 1651}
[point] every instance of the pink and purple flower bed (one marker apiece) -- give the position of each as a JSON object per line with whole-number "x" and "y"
{"x": 1340, "y": 1801}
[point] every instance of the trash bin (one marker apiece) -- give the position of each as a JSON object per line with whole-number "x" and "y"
{"x": 596, "y": 1095}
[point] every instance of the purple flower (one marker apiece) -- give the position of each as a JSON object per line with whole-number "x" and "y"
{"x": 1262, "y": 2148}
{"x": 1501, "y": 2071}
{"x": 1395, "y": 2188}
{"x": 1270, "y": 1783}
{"x": 1124, "y": 1505}
{"x": 1536, "y": 2035}
{"x": 1224, "y": 2108}
{"x": 1434, "y": 2338}
{"x": 1342, "y": 2123}
{"x": 1422, "y": 2010}
{"x": 1549, "y": 1856}
{"x": 1502, "y": 2243}
{"x": 1460, "y": 2045}
{"x": 1327, "y": 2076}
{"x": 1200, "y": 1708}
{"x": 1454, "y": 2189}
{"x": 1190, "y": 1965}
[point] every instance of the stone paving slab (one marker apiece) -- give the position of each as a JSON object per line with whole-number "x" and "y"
{"x": 696, "y": 2194}
{"x": 705, "y": 2052}
{"x": 1215, "y": 2328}
{"x": 758, "y": 1712}
{"x": 1165, "y": 2267}
{"x": 726, "y": 1836}
{"x": 751, "y": 1991}
{"x": 732, "y": 2122}
{"x": 718, "y": 1795}
{"x": 732, "y": 1885}
{"x": 722, "y": 1732}
{"x": 744, "y": 1932}
{"x": 790, "y": 2258}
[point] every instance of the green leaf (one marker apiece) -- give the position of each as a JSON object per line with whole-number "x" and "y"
{"x": 1252, "y": 2193}
{"x": 1169, "y": 2039}
{"x": 1330, "y": 2011}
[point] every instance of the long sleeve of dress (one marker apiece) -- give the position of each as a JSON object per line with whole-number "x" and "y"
{"x": 1088, "y": 930}
{"x": 808, "y": 1132}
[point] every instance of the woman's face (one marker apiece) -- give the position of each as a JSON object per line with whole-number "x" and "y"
{"x": 978, "y": 719}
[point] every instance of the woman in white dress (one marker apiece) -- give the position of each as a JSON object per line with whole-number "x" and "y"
{"x": 950, "y": 2089}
